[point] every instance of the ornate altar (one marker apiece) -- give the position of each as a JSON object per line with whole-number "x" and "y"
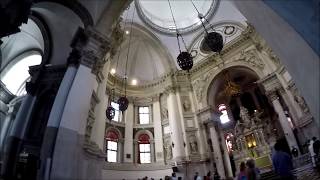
{"x": 249, "y": 140}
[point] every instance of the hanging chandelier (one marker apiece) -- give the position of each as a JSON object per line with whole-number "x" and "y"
{"x": 123, "y": 100}
{"x": 213, "y": 39}
{"x": 184, "y": 59}
{"x": 110, "y": 111}
{"x": 231, "y": 88}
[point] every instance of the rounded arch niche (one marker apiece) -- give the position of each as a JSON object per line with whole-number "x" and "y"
{"x": 245, "y": 78}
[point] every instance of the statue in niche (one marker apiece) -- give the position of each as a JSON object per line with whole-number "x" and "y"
{"x": 168, "y": 151}
{"x": 244, "y": 115}
{"x": 164, "y": 113}
{"x": 186, "y": 104}
{"x": 194, "y": 147}
{"x": 193, "y": 144}
{"x": 256, "y": 117}
{"x": 300, "y": 100}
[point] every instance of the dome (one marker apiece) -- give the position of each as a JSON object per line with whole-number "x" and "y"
{"x": 157, "y": 14}
{"x": 147, "y": 60}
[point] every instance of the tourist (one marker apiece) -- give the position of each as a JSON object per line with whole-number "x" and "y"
{"x": 208, "y": 177}
{"x": 197, "y": 177}
{"x": 251, "y": 170}
{"x": 174, "y": 176}
{"x": 282, "y": 163}
{"x": 294, "y": 151}
{"x": 312, "y": 153}
{"x": 216, "y": 175}
{"x": 242, "y": 174}
{"x": 316, "y": 146}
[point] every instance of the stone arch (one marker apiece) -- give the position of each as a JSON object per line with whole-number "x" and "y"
{"x": 116, "y": 130}
{"x": 144, "y": 131}
{"x": 206, "y": 99}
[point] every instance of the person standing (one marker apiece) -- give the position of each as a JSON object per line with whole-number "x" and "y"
{"x": 312, "y": 153}
{"x": 197, "y": 177}
{"x": 242, "y": 174}
{"x": 294, "y": 151}
{"x": 316, "y": 146}
{"x": 282, "y": 163}
{"x": 174, "y": 176}
{"x": 251, "y": 170}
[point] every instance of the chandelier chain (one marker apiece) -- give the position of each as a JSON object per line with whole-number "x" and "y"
{"x": 128, "y": 52}
{"x": 177, "y": 31}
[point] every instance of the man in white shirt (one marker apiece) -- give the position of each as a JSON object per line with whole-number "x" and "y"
{"x": 312, "y": 153}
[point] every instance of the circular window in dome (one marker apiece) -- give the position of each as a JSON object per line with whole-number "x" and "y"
{"x": 157, "y": 14}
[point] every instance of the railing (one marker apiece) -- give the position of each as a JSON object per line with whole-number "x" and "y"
{"x": 301, "y": 160}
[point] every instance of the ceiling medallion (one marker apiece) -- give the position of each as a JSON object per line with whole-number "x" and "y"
{"x": 231, "y": 88}
{"x": 228, "y": 30}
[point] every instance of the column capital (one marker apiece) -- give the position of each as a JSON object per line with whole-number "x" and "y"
{"x": 272, "y": 95}
{"x": 89, "y": 49}
{"x": 171, "y": 89}
{"x": 155, "y": 98}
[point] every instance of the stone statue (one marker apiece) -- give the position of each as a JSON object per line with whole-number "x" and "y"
{"x": 164, "y": 113}
{"x": 244, "y": 115}
{"x": 186, "y": 105}
{"x": 194, "y": 147}
{"x": 168, "y": 152}
{"x": 256, "y": 117}
{"x": 300, "y": 101}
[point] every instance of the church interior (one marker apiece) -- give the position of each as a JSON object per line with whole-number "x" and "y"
{"x": 144, "y": 89}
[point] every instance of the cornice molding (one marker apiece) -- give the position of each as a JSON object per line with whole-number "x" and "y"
{"x": 179, "y": 78}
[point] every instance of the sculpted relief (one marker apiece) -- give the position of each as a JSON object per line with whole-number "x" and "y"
{"x": 193, "y": 144}
{"x": 251, "y": 57}
{"x": 186, "y": 104}
{"x": 299, "y": 99}
{"x": 168, "y": 150}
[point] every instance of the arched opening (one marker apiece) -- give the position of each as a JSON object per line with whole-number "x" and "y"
{"x": 247, "y": 120}
{"x": 144, "y": 149}
{"x": 17, "y": 75}
{"x": 112, "y": 138}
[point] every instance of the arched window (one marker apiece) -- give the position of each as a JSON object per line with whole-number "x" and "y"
{"x": 224, "y": 118}
{"x": 144, "y": 149}
{"x": 112, "y": 139}
{"x": 16, "y": 77}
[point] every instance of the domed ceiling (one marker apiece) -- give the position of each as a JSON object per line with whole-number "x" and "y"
{"x": 147, "y": 60}
{"x": 154, "y": 48}
{"x": 157, "y": 14}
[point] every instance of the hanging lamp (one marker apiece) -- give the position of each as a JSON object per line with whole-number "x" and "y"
{"x": 110, "y": 111}
{"x": 184, "y": 59}
{"x": 123, "y": 100}
{"x": 213, "y": 39}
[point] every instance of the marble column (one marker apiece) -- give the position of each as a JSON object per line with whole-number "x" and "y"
{"x": 157, "y": 130}
{"x": 68, "y": 150}
{"x": 174, "y": 117}
{"x": 128, "y": 136}
{"x": 99, "y": 126}
{"x": 291, "y": 140}
{"x": 226, "y": 155}
{"x": 216, "y": 150}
